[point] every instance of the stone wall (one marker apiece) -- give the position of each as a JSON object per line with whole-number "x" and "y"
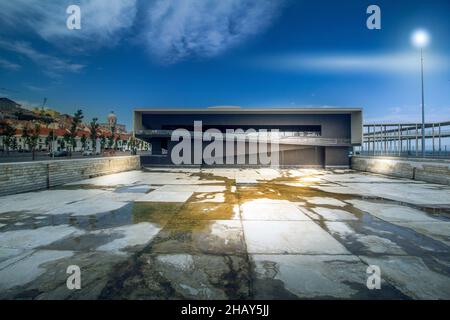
{"x": 30, "y": 176}
{"x": 429, "y": 170}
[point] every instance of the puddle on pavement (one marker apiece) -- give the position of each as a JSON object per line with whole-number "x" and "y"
{"x": 187, "y": 229}
{"x": 209, "y": 211}
{"x": 219, "y": 255}
{"x": 408, "y": 240}
{"x": 154, "y": 212}
{"x": 197, "y": 210}
{"x": 180, "y": 276}
{"x": 196, "y": 227}
{"x": 193, "y": 209}
{"x": 434, "y": 253}
{"x": 131, "y": 213}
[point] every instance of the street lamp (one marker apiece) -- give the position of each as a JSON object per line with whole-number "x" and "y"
{"x": 421, "y": 39}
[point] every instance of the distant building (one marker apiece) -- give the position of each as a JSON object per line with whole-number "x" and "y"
{"x": 120, "y": 128}
{"x": 112, "y": 122}
{"x": 12, "y": 114}
{"x": 12, "y": 110}
{"x": 112, "y": 119}
{"x": 46, "y": 138}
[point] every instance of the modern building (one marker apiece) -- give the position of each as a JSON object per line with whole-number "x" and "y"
{"x": 319, "y": 137}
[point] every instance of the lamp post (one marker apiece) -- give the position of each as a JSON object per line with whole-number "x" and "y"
{"x": 420, "y": 39}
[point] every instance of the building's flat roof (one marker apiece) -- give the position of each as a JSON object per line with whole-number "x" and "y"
{"x": 234, "y": 110}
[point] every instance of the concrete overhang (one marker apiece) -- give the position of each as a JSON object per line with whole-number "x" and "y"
{"x": 236, "y": 110}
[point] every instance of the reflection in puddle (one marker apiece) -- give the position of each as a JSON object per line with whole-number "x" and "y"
{"x": 198, "y": 249}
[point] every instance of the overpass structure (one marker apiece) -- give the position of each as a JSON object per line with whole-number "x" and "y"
{"x": 405, "y": 139}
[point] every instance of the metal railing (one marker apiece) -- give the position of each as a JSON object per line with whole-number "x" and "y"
{"x": 405, "y": 139}
{"x": 294, "y": 138}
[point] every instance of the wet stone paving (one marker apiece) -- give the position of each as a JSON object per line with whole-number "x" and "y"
{"x": 228, "y": 234}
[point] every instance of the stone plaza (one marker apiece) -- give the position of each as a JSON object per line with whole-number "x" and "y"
{"x": 225, "y": 233}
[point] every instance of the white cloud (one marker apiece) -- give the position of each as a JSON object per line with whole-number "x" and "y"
{"x": 102, "y": 22}
{"x": 51, "y": 65}
{"x": 176, "y": 30}
{"x": 5, "y": 64}
{"x": 337, "y": 63}
{"x": 171, "y": 30}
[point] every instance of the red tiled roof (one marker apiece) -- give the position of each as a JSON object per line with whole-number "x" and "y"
{"x": 45, "y": 131}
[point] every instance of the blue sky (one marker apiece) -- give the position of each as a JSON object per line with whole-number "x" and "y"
{"x": 251, "y": 53}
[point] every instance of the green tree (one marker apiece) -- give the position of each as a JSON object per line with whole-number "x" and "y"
{"x": 67, "y": 139}
{"x": 49, "y": 140}
{"x": 83, "y": 141}
{"x": 73, "y": 144}
{"x": 112, "y": 140}
{"x": 94, "y": 132}
{"x": 102, "y": 142}
{"x": 26, "y": 137}
{"x": 34, "y": 139}
{"x": 76, "y": 121}
{"x": 14, "y": 143}
{"x": 132, "y": 144}
{"x": 8, "y": 136}
{"x": 62, "y": 143}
